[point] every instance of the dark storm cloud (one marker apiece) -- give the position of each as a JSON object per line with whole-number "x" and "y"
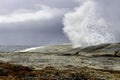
{"x": 33, "y": 32}
{"x": 41, "y": 31}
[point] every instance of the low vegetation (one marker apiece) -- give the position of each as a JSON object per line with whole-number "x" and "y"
{"x": 18, "y": 72}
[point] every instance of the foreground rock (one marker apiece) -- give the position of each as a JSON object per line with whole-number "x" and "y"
{"x": 18, "y": 72}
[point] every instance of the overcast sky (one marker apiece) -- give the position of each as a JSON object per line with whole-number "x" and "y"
{"x": 39, "y": 22}
{"x": 33, "y": 22}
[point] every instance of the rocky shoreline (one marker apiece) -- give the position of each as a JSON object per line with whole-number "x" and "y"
{"x": 62, "y": 62}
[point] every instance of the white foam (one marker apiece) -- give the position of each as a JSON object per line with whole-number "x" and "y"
{"x": 47, "y": 48}
{"x": 86, "y": 26}
{"x": 30, "y": 49}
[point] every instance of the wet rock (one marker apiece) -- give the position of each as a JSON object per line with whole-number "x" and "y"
{"x": 117, "y": 53}
{"x": 95, "y": 48}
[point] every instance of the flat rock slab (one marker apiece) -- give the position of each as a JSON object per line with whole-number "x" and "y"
{"x": 40, "y": 60}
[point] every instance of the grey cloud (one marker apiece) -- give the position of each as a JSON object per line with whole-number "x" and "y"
{"x": 7, "y": 6}
{"x": 33, "y": 33}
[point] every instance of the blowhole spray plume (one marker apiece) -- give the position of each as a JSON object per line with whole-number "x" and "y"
{"x": 86, "y": 26}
